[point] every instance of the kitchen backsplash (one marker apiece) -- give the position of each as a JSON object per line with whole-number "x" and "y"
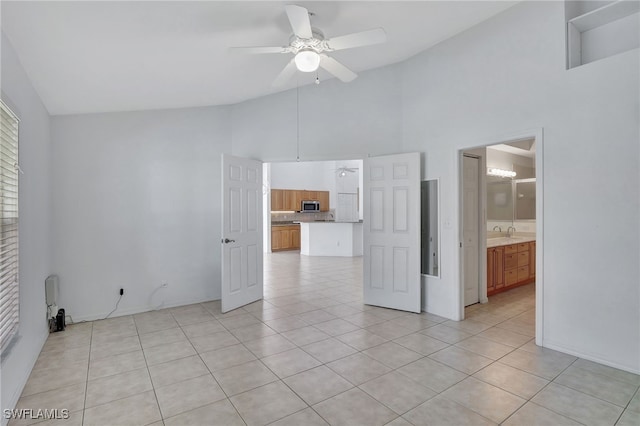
{"x": 302, "y": 217}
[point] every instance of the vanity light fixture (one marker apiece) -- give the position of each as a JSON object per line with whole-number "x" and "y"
{"x": 500, "y": 172}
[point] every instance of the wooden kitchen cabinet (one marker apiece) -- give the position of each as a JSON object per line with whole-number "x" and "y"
{"x": 277, "y": 200}
{"x": 291, "y": 199}
{"x": 299, "y": 195}
{"x": 510, "y": 266}
{"x": 323, "y": 198}
{"x": 285, "y": 237}
{"x": 311, "y": 195}
{"x": 275, "y": 239}
{"x": 295, "y": 238}
{"x": 290, "y": 202}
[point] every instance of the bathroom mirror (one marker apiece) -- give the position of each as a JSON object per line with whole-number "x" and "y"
{"x": 525, "y": 197}
{"x": 499, "y": 199}
{"x": 511, "y": 200}
{"x": 430, "y": 228}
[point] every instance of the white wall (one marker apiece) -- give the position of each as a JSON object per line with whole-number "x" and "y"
{"x": 337, "y": 121}
{"x": 136, "y": 201}
{"x": 508, "y": 75}
{"x": 317, "y": 176}
{"x": 35, "y": 241}
{"x": 309, "y": 175}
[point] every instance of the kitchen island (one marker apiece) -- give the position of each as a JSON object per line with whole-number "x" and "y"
{"x": 331, "y": 238}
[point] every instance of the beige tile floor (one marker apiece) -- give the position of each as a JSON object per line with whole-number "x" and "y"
{"x": 312, "y": 354}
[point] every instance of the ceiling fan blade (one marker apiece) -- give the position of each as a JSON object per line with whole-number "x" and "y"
{"x": 336, "y": 68}
{"x": 285, "y": 75}
{"x": 259, "y": 49}
{"x": 364, "y": 38}
{"x": 299, "y": 19}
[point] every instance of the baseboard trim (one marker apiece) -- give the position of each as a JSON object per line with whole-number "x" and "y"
{"x": 137, "y": 310}
{"x": 571, "y": 351}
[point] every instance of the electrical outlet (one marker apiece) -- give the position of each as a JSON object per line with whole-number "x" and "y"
{"x": 121, "y": 291}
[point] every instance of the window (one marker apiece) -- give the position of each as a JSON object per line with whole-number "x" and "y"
{"x": 9, "y": 302}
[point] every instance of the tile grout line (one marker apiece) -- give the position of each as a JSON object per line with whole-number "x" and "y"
{"x": 86, "y": 386}
{"x": 153, "y": 387}
{"x": 228, "y": 398}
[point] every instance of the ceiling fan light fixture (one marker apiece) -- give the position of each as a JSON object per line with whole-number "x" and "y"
{"x": 307, "y": 60}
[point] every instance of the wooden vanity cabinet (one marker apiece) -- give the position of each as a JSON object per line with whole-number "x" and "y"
{"x": 532, "y": 259}
{"x": 510, "y": 266}
{"x": 495, "y": 268}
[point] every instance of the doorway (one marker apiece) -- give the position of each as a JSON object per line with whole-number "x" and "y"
{"x": 335, "y": 186}
{"x": 390, "y": 243}
{"x": 471, "y": 194}
{"x": 507, "y": 207}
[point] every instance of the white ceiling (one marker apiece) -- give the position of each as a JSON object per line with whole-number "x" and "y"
{"x": 524, "y": 148}
{"x": 87, "y": 56}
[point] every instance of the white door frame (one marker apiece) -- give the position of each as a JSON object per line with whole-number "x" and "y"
{"x": 481, "y": 233}
{"x": 538, "y": 135}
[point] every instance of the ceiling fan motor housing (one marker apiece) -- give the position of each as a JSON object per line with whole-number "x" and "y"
{"x": 317, "y": 43}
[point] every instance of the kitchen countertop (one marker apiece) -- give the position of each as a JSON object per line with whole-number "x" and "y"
{"x": 504, "y": 241}
{"x": 298, "y": 222}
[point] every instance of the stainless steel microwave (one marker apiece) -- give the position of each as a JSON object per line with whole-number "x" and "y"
{"x": 310, "y": 206}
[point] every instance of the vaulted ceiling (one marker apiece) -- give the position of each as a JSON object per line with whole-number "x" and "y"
{"x": 87, "y": 56}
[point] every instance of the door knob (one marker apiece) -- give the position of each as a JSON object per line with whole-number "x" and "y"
{"x": 227, "y": 241}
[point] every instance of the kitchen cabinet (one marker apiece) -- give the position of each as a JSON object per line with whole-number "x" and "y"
{"x": 323, "y": 198}
{"x": 510, "y": 266}
{"x": 285, "y": 237}
{"x": 277, "y": 200}
{"x": 291, "y": 199}
{"x": 294, "y": 234}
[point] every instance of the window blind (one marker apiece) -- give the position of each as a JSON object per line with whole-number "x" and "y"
{"x": 9, "y": 302}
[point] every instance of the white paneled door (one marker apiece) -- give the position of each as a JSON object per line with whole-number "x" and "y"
{"x": 242, "y": 270}
{"x": 392, "y": 231}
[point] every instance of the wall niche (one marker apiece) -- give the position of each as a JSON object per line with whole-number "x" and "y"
{"x": 600, "y": 29}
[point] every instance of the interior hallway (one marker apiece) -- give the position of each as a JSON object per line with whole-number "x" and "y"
{"x": 311, "y": 353}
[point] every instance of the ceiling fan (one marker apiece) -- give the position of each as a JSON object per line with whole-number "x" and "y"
{"x": 308, "y": 46}
{"x": 342, "y": 171}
